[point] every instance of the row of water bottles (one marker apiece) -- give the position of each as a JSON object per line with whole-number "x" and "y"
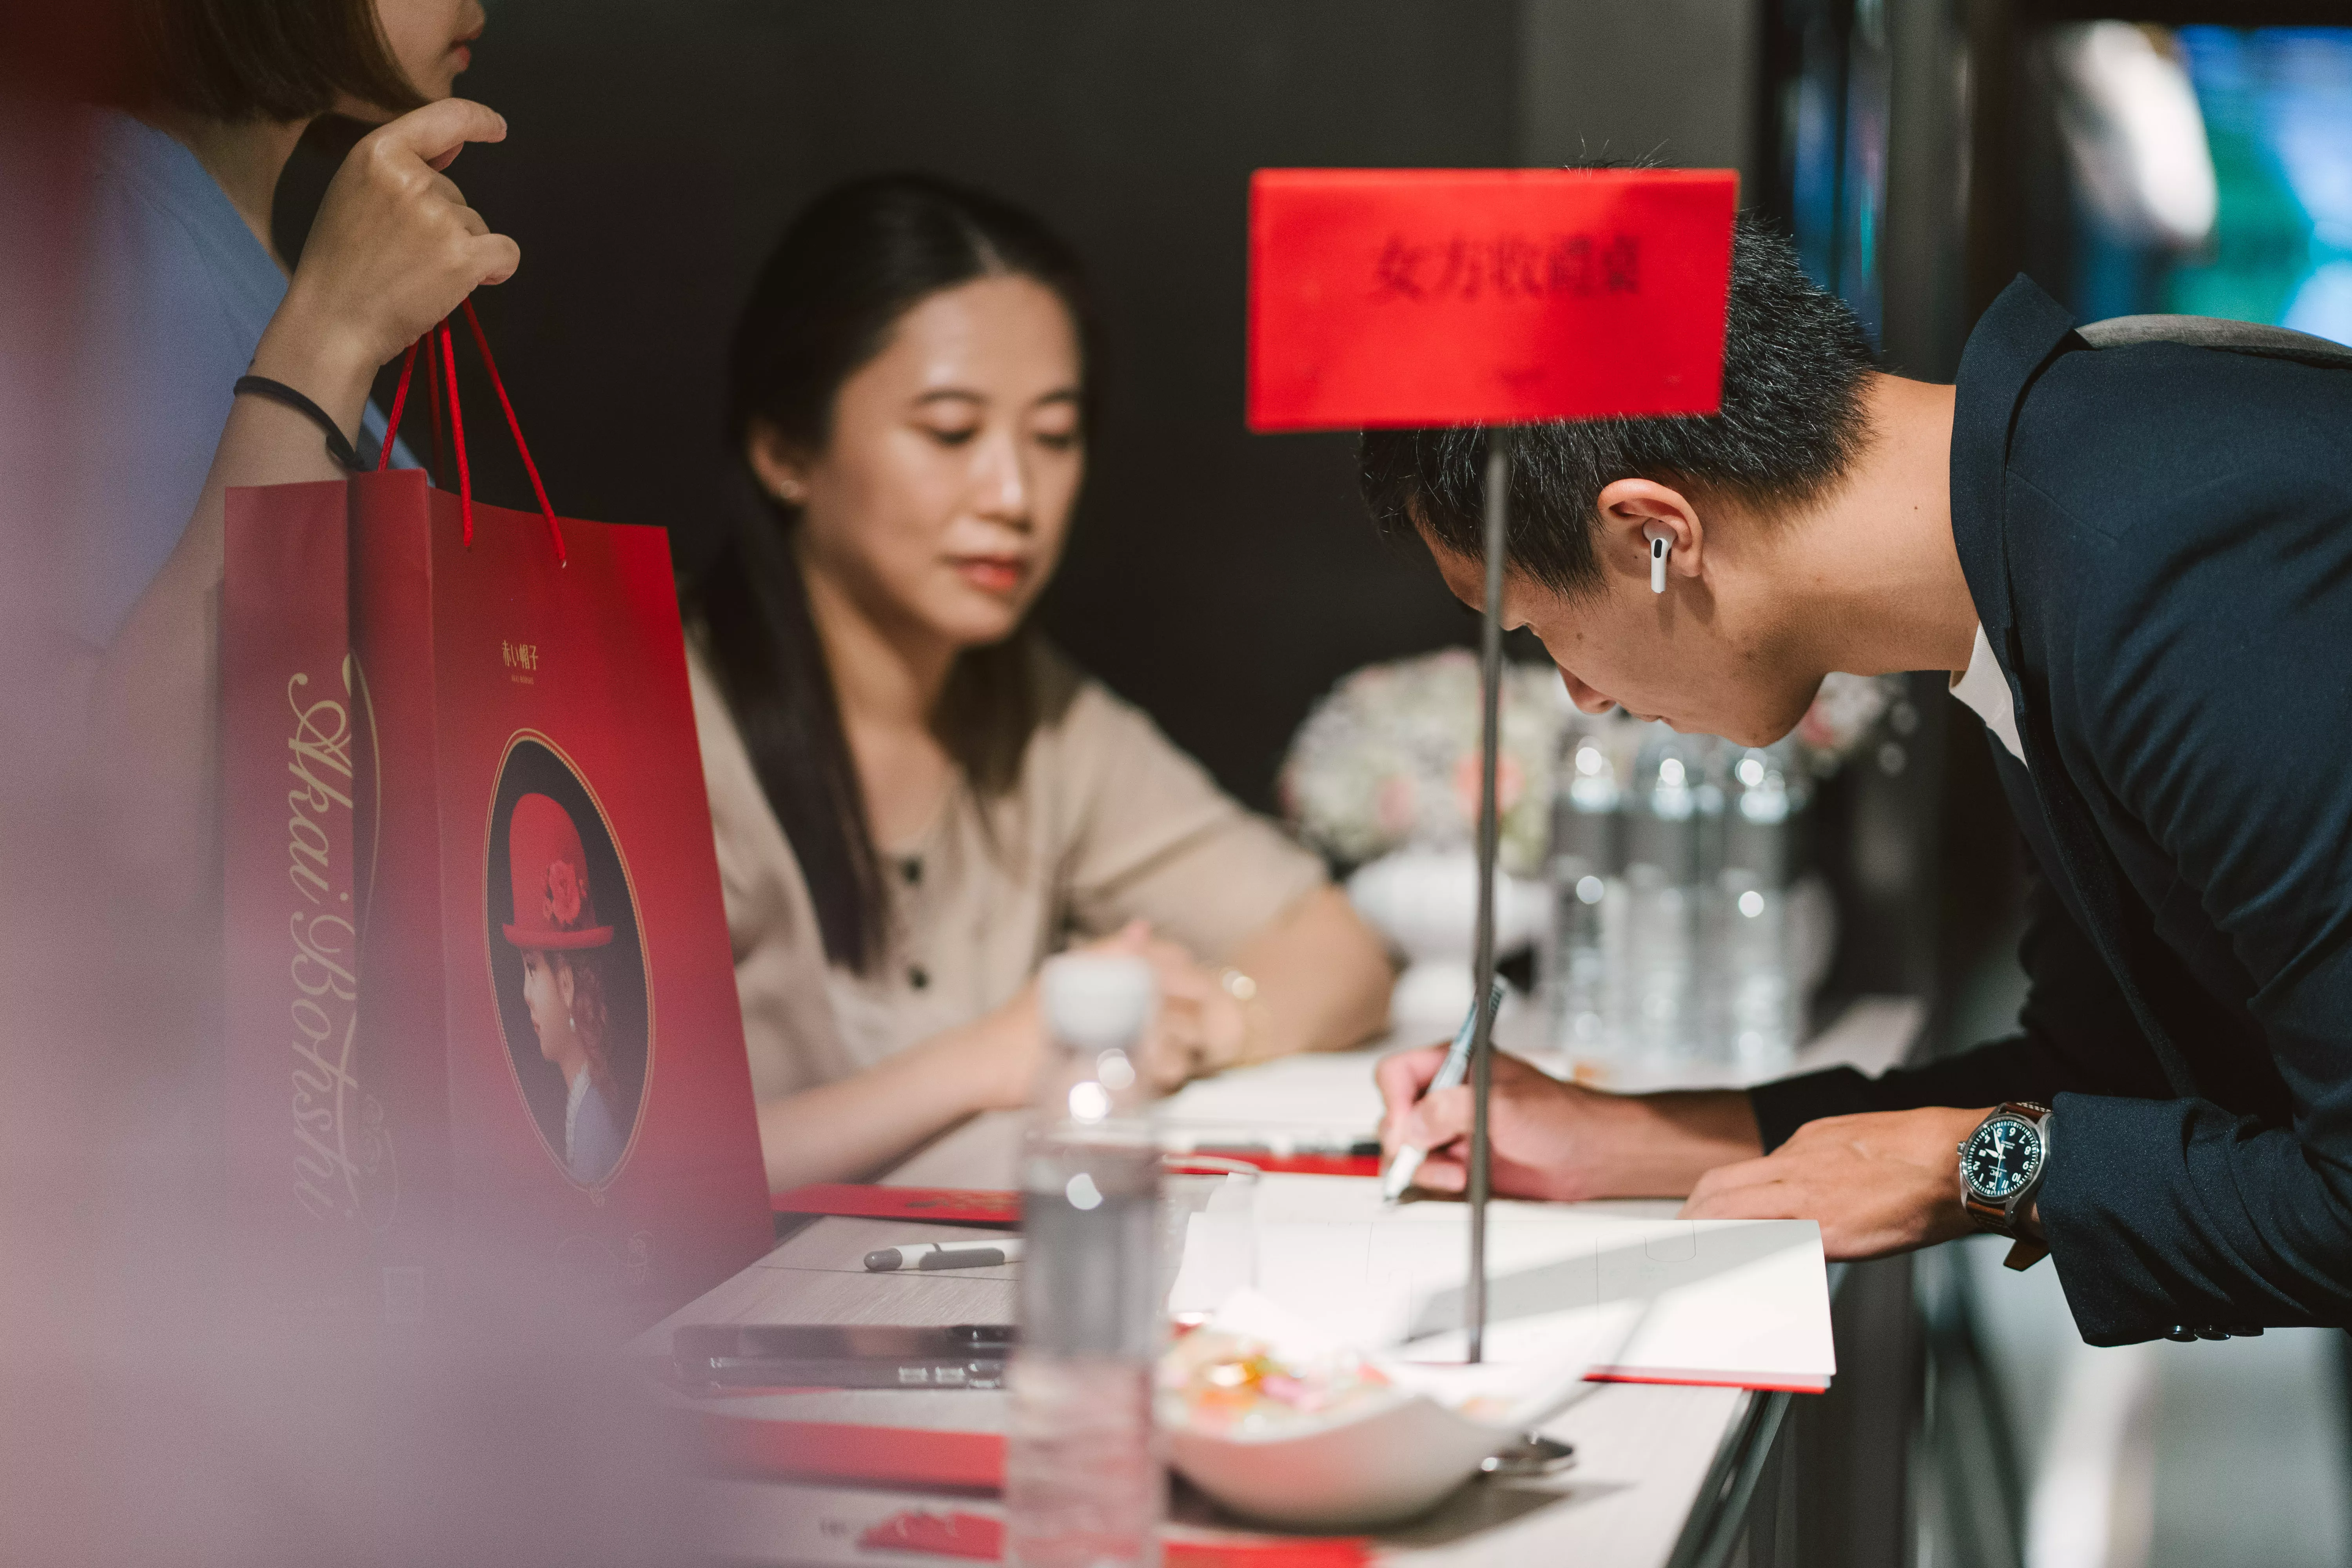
{"x": 1676, "y": 947}
{"x": 1683, "y": 939}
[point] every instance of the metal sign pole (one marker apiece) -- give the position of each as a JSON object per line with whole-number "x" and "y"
{"x": 1482, "y": 1042}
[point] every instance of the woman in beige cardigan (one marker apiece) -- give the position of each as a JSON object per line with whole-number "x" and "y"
{"x": 917, "y": 801}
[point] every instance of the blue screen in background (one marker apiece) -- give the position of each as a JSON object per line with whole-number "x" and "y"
{"x": 2277, "y": 103}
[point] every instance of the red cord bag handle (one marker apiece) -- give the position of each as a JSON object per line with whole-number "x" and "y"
{"x": 448, "y": 367}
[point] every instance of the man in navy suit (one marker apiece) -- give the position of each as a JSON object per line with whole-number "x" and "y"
{"x": 2135, "y": 557}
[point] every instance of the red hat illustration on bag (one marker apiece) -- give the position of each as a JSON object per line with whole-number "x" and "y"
{"x": 551, "y": 904}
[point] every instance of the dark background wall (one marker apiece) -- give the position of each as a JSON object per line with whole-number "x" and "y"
{"x": 1222, "y": 580}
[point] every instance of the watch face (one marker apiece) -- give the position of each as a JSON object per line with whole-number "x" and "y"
{"x": 2000, "y": 1157}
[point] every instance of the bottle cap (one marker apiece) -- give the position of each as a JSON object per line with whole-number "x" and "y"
{"x": 1098, "y": 1001}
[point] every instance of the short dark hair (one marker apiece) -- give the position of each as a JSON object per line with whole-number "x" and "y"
{"x": 1794, "y": 360}
{"x": 281, "y": 60}
{"x": 845, "y": 272}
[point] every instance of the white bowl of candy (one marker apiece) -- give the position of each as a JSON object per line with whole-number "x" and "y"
{"x": 1280, "y": 1425}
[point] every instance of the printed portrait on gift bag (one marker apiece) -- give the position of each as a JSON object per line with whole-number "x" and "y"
{"x": 567, "y": 961}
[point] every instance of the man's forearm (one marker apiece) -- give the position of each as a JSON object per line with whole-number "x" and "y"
{"x": 2019, "y": 1067}
{"x": 1658, "y": 1145}
{"x": 1322, "y": 977}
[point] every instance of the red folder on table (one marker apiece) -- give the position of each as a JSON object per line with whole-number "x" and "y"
{"x": 980, "y": 1205}
{"x": 844, "y": 1474}
{"x": 935, "y": 1205}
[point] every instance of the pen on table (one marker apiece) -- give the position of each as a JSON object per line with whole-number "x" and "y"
{"x": 1450, "y": 1074}
{"x": 946, "y": 1255}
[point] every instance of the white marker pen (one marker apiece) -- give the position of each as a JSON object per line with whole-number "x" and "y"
{"x": 946, "y": 1255}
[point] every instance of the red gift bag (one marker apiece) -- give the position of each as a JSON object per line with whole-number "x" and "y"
{"x": 481, "y": 1012}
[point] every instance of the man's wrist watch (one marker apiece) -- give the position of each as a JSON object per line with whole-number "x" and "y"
{"x": 2001, "y": 1166}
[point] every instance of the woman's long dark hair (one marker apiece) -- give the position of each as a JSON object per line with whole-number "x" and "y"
{"x": 847, "y": 269}
{"x": 592, "y": 1021}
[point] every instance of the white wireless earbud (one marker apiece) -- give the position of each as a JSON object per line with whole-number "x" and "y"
{"x": 1659, "y": 540}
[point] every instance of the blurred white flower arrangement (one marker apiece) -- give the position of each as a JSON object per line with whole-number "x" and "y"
{"x": 1843, "y": 711}
{"x": 1389, "y": 757}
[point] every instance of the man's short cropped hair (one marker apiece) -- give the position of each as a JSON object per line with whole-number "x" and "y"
{"x": 240, "y": 60}
{"x": 1794, "y": 360}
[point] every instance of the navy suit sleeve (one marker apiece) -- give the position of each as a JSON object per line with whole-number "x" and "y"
{"x": 2075, "y": 1032}
{"x": 2214, "y": 688}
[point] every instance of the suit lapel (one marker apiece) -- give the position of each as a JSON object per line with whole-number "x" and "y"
{"x": 2019, "y": 337}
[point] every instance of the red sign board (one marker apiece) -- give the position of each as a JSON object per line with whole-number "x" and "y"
{"x": 1411, "y": 296}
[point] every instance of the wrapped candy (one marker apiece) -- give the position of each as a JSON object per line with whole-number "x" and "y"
{"x": 1234, "y": 1384}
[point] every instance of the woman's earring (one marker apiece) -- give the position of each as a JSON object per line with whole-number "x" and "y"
{"x": 1658, "y": 540}
{"x": 573, "y": 1021}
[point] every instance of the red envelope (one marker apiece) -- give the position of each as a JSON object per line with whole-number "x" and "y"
{"x": 1414, "y": 297}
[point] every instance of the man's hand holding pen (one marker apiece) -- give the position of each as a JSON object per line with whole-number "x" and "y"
{"x": 1877, "y": 1183}
{"x": 1561, "y": 1140}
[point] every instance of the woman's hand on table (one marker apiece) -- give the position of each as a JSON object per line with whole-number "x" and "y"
{"x": 395, "y": 248}
{"x": 1199, "y": 1027}
{"x": 1560, "y": 1140}
{"x": 1315, "y": 978}
{"x": 1202, "y": 1026}
{"x": 1008, "y": 1045}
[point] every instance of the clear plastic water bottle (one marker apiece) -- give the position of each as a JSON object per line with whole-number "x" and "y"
{"x": 1084, "y": 1486}
{"x": 1588, "y": 898}
{"x": 1661, "y": 1003}
{"x": 1762, "y": 1003}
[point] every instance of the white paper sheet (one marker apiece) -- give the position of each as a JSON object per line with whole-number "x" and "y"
{"x": 1737, "y": 1301}
{"x": 1312, "y": 1100}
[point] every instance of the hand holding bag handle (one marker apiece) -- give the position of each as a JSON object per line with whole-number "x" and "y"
{"x": 448, "y": 366}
